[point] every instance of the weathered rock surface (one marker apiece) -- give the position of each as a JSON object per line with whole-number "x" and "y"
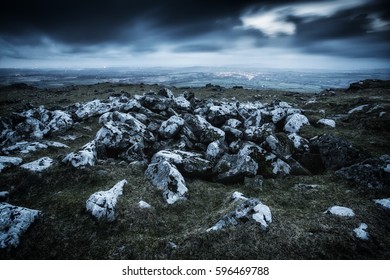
{"x": 165, "y": 177}
{"x": 340, "y": 211}
{"x": 361, "y": 232}
{"x": 14, "y": 221}
{"x": 25, "y": 147}
{"x": 87, "y": 156}
{"x": 384, "y": 203}
{"x": 250, "y": 209}
{"x": 38, "y": 165}
{"x": 8, "y": 162}
{"x": 295, "y": 122}
{"x": 102, "y": 204}
{"x": 372, "y": 173}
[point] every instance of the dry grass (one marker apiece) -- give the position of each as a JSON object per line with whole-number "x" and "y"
{"x": 300, "y": 229}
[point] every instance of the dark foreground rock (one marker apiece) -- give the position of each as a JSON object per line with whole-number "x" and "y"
{"x": 373, "y": 173}
{"x": 14, "y": 221}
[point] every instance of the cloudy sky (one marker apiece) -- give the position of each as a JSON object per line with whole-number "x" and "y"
{"x": 337, "y": 34}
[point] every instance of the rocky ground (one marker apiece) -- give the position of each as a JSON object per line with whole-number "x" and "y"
{"x": 118, "y": 171}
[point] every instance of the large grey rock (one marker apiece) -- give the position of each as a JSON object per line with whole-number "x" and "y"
{"x": 234, "y": 168}
{"x": 202, "y": 130}
{"x": 87, "y": 156}
{"x": 92, "y": 108}
{"x": 171, "y": 127}
{"x": 217, "y": 115}
{"x": 295, "y": 122}
{"x": 373, "y": 173}
{"x": 157, "y": 102}
{"x": 165, "y": 177}
{"x": 14, "y": 221}
{"x": 102, "y": 204}
{"x": 249, "y": 209}
{"x": 188, "y": 163}
{"x": 336, "y": 152}
{"x": 233, "y": 129}
{"x": 124, "y": 136}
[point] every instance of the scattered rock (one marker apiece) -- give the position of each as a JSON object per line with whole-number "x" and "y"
{"x": 295, "y": 122}
{"x": 14, "y": 221}
{"x": 102, "y": 204}
{"x": 384, "y": 203}
{"x": 372, "y": 173}
{"x": 340, "y": 211}
{"x": 92, "y": 108}
{"x": 250, "y": 209}
{"x": 6, "y": 162}
{"x": 85, "y": 157}
{"x": 165, "y": 177}
{"x": 358, "y": 109}
{"x": 144, "y": 205}
{"x": 327, "y": 122}
{"x": 360, "y": 232}
{"x": 171, "y": 127}
{"x": 38, "y": 165}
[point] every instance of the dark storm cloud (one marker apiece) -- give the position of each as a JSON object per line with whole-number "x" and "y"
{"x": 78, "y": 27}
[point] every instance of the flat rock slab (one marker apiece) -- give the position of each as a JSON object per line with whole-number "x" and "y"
{"x": 340, "y": 211}
{"x": 14, "y": 221}
{"x": 249, "y": 209}
{"x": 38, "y": 165}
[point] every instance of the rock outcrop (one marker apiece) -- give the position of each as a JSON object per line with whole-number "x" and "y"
{"x": 14, "y": 221}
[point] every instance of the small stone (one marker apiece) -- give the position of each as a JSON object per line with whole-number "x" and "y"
{"x": 144, "y": 205}
{"x": 361, "y": 233}
{"x": 340, "y": 211}
{"x": 14, "y": 221}
{"x": 327, "y": 122}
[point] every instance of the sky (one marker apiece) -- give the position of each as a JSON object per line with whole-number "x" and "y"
{"x": 331, "y": 34}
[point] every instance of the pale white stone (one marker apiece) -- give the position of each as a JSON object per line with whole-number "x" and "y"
{"x": 38, "y": 165}
{"x": 86, "y": 156}
{"x": 295, "y": 122}
{"x": 358, "y": 109}
{"x": 9, "y": 161}
{"x": 262, "y": 215}
{"x": 327, "y": 122}
{"x": 102, "y": 204}
{"x": 237, "y": 195}
{"x": 14, "y": 221}
{"x": 384, "y": 202}
{"x": 340, "y": 211}
{"x": 360, "y": 232}
{"x": 144, "y": 205}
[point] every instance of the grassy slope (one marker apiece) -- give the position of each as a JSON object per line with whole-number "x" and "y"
{"x": 299, "y": 229}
